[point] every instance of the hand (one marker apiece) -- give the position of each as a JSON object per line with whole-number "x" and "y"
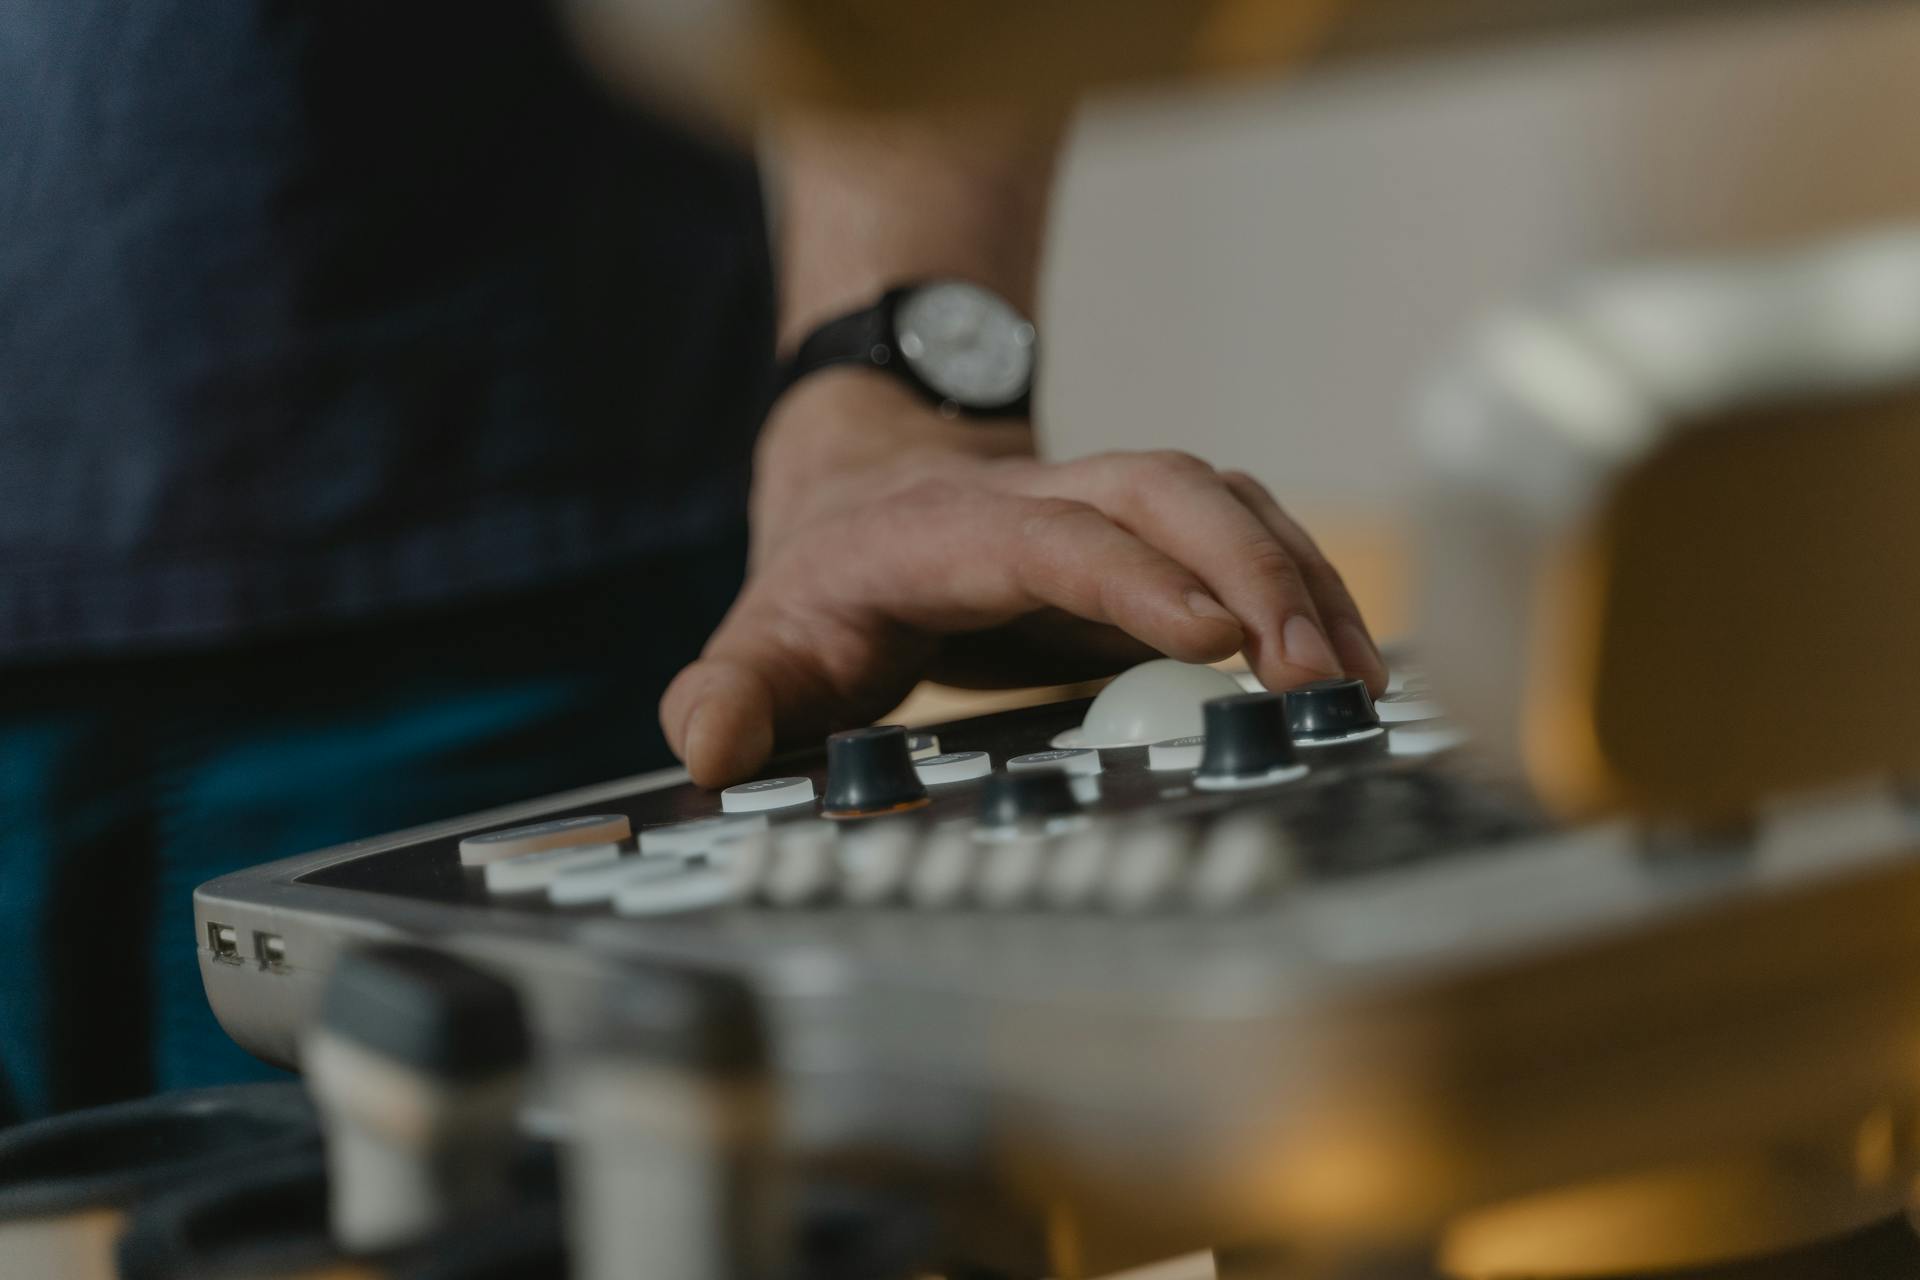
{"x": 890, "y": 543}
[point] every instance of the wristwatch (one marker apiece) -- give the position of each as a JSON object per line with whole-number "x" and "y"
{"x": 962, "y": 346}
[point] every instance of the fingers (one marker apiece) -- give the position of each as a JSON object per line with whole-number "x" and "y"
{"x": 1184, "y": 508}
{"x": 1071, "y": 557}
{"x": 839, "y": 621}
{"x": 1044, "y": 648}
{"x": 718, "y": 718}
{"x": 1345, "y": 627}
{"x": 835, "y": 627}
{"x": 784, "y": 663}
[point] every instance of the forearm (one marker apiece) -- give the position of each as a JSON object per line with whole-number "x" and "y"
{"x": 868, "y": 202}
{"x": 863, "y": 204}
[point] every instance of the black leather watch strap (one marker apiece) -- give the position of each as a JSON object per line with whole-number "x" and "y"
{"x": 866, "y": 338}
{"x": 863, "y": 337}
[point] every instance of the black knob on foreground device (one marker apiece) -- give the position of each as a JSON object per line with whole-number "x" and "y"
{"x": 1033, "y": 795}
{"x": 870, "y": 771}
{"x": 673, "y": 1170}
{"x": 417, "y": 1063}
{"x": 425, "y": 1011}
{"x": 1246, "y": 737}
{"x": 1329, "y": 709}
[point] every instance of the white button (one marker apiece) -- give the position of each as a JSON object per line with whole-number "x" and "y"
{"x": 801, "y": 868}
{"x": 961, "y": 766}
{"x": 697, "y": 837}
{"x": 875, "y": 858}
{"x": 1398, "y": 710}
{"x": 693, "y": 889}
{"x": 528, "y": 872}
{"x": 1406, "y": 680}
{"x": 1176, "y": 753}
{"x": 1358, "y": 735}
{"x": 559, "y": 833}
{"x": 922, "y": 745}
{"x": 1146, "y": 867}
{"x": 745, "y": 859}
{"x": 1272, "y": 778}
{"x": 944, "y": 870}
{"x": 1011, "y": 871}
{"x": 1153, "y": 702}
{"x": 584, "y": 885}
{"x": 1073, "y": 874}
{"x": 768, "y": 793}
{"x": 1079, "y": 761}
{"x": 1243, "y": 856}
{"x": 1424, "y": 739}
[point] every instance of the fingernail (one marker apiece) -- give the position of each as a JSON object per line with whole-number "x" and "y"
{"x": 1359, "y": 647}
{"x": 1306, "y": 647}
{"x": 1202, "y": 605}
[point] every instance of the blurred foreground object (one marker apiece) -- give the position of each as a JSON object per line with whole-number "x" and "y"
{"x": 69, "y": 1184}
{"x": 728, "y": 57}
{"x": 672, "y": 1167}
{"x": 417, "y": 1065}
{"x": 1671, "y": 565}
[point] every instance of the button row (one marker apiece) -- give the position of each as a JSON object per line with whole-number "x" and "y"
{"x": 1235, "y": 861}
{"x": 1136, "y": 867}
{"x": 933, "y": 769}
{"x": 1249, "y": 740}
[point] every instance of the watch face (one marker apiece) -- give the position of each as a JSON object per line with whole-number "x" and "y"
{"x": 967, "y": 343}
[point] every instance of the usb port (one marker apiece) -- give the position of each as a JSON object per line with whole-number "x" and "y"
{"x": 224, "y": 941}
{"x": 270, "y": 949}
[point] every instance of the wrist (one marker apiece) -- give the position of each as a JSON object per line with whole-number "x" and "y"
{"x": 962, "y": 347}
{"x": 868, "y": 202}
{"x": 841, "y": 434}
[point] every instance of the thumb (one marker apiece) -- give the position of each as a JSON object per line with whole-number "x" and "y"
{"x": 718, "y": 718}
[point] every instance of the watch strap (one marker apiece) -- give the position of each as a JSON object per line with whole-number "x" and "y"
{"x": 863, "y": 337}
{"x": 866, "y": 338}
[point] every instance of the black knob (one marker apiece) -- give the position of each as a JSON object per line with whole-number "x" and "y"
{"x": 1032, "y": 795}
{"x": 687, "y": 1018}
{"x": 405, "y": 1035}
{"x": 1247, "y": 738}
{"x": 1329, "y": 709}
{"x": 871, "y": 771}
{"x": 425, "y": 1011}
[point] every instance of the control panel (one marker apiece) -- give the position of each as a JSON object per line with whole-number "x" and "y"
{"x": 1156, "y": 947}
{"x": 887, "y": 817}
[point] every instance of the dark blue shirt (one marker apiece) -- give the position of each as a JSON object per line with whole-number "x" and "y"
{"x": 315, "y": 309}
